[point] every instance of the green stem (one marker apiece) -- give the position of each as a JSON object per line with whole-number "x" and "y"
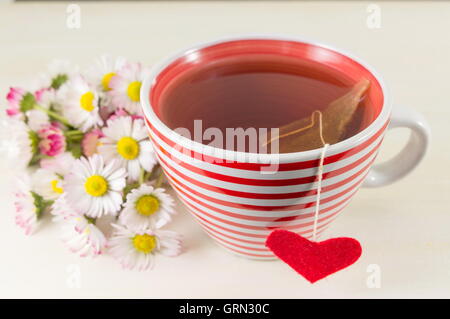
{"x": 160, "y": 179}
{"x": 74, "y": 135}
{"x": 48, "y": 202}
{"x": 35, "y": 159}
{"x": 141, "y": 176}
{"x": 90, "y": 219}
{"x": 53, "y": 115}
{"x": 74, "y": 132}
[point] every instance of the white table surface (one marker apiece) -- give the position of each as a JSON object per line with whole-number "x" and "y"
{"x": 404, "y": 228}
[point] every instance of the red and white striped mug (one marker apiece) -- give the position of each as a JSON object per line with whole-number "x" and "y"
{"x": 230, "y": 195}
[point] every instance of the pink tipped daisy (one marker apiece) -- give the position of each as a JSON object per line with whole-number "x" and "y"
{"x": 91, "y": 142}
{"x": 82, "y": 237}
{"x": 52, "y": 141}
{"x": 121, "y": 113}
{"x": 79, "y": 234}
{"x": 14, "y": 98}
{"x": 61, "y": 164}
{"x": 61, "y": 210}
{"x": 46, "y": 99}
{"x": 28, "y": 204}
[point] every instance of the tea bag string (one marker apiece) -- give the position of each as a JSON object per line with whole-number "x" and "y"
{"x": 319, "y": 175}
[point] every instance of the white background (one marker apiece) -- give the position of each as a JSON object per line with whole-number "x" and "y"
{"x": 403, "y": 228}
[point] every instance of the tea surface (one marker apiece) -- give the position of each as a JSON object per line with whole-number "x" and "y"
{"x": 259, "y": 91}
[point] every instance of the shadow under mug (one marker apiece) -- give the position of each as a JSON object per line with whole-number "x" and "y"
{"x": 227, "y": 192}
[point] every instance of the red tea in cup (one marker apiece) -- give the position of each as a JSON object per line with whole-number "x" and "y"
{"x": 262, "y": 91}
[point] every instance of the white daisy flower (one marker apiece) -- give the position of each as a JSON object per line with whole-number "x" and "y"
{"x": 126, "y": 141}
{"x": 79, "y": 233}
{"x": 29, "y": 205}
{"x": 104, "y": 69}
{"x": 147, "y": 207}
{"x": 18, "y": 144}
{"x": 137, "y": 249}
{"x": 47, "y": 184}
{"x": 61, "y": 210}
{"x": 48, "y": 99}
{"x": 37, "y": 119}
{"x": 82, "y": 237}
{"x": 79, "y": 103}
{"x": 58, "y": 73}
{"x": 60, "y": 164}
{"x": 126, "y": 87}
{"x": 94, "y": 187}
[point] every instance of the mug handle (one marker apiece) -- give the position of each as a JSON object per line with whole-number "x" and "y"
{"x": 410, "y": 156}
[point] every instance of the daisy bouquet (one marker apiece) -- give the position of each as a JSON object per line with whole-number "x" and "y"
{"x": 80, "y": 142}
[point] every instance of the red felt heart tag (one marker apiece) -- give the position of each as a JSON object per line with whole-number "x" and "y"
{"x": 313, "y": 260}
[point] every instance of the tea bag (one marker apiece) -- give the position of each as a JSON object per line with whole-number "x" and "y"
{"x": 322, "y": 127}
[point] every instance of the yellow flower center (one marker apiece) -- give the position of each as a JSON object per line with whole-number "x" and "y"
{"x": 144, "y": 243}
{"x": 134, "y": 91}
{"x": 96, "y": 185}
{"x": 105, "y": 80}
{"x": 87, "y": 101}
{"x": 147, "y": 205}
{"x": 128, "y": 148}
{"x": 87, "y": 230}
{"x": 55, "y": 187}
